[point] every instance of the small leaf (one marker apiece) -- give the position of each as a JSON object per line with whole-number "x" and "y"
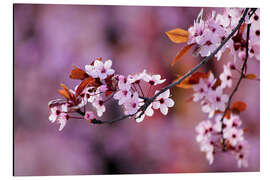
{"x": 251, "y": 76}
{"x": 65, "y": 92}
{"x": 178, "y": 35}
{"x": 86, "y": 82}
{"x": 181, "y": 53}
{"x": 238, "y": 107}
{"x": 78, "y": 73}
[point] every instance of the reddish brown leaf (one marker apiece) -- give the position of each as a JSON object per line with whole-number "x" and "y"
{"x": 238, "y": 107}
{"x": 251, "y": 76}
{"x": 65, "y": 92}
{"x": 189, "y": 99}
{"x": 242, "y": 28}
{"x": 78, "y": 73}
{"x": 192, "y": 79}
{"x": 86, "y": 82}
{"x": 181, "y": 53}
{"x": 99, "y": 58}
{"x": 178, "y": 35}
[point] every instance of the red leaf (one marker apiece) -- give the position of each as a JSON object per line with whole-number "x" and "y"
{"x": 86, "y": 82}
{"x": 65, "y": 92}
{"x": 78, "y": 73}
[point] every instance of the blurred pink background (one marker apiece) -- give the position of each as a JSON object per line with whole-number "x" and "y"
{"x": 49, "y": 39}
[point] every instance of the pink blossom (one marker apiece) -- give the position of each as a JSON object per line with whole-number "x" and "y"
{"x": 60, "y": 115}
{"x": 218, "y": 99}
{"x": 98, "y": 69}
{"x": 122, "y": 96}
{"x": 195, "y": 32}
{"x": 163, "y": 101}
{"x": 234, "y": 135}
{"x": 226, "y": 77}
{"x": 123, "y": 83}
{"x": 200, "y": 89}
{"x": 208, "y": 42}
{"x": 155, "y": 80}
{"x": 204, "y": 130}
{"x": 98, "y": 103}
{"x": 132, "y": 104}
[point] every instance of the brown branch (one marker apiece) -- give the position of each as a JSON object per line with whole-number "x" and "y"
{"x": 242, "y": 76}
{"x": 148, "y": 101}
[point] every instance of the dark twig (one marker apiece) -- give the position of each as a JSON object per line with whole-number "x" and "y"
{"x": 242, "y": 76}
{"x": 148, "y": 101}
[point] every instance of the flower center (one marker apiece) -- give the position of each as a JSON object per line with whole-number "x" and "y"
{"x": 134, "y": 105}
{"x": 218, "y": 99}
{"x": 208, "y": 43}
{"x": 58, "y": 112}
{"x": 100, "y": 103}
{"x": 161, "y": 100}
{"x": 151, "y": 82}
{"x": 125, "y": 92}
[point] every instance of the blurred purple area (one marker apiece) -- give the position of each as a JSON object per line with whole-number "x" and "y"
{"x": 49, "y": 39}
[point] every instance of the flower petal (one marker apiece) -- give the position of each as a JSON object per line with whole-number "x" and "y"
{"x": 169, "y": 102}
{"x": 163, "y": 109}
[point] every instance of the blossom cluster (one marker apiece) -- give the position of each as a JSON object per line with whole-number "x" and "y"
{"x": 99, "y": 85}
{"x": 208, "y": 34}
{"x": 213, "y": 136}
{"x": 209, "y": 137}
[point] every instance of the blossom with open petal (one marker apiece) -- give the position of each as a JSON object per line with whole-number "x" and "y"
{"x": 59, "y": 114}
{"x": 155, "y": 80}
{"x": 234, "y": 135}
{"x": 99, "y": 105}
{"x": 98, "y": 69}
{"x": 148, "y": 112}
{"x": 163, "y": 101}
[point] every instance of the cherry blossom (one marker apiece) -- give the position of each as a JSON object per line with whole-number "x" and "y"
{"x": 226, "y": 77}
{"x": 155, "y": 80}
{"x": 89, "y": 115}
{"x": 60, "y": 115}
{"x": 234, "y": 135}
{"x": 99, "y": 105}
{"x": 163, "y": 102}
{"x": 122, "y": 96}
{"x": 98, "y": 69}
{"x": 132, "y": 104}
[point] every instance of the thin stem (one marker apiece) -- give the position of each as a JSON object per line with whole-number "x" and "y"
{"x": 242, "y": 76}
